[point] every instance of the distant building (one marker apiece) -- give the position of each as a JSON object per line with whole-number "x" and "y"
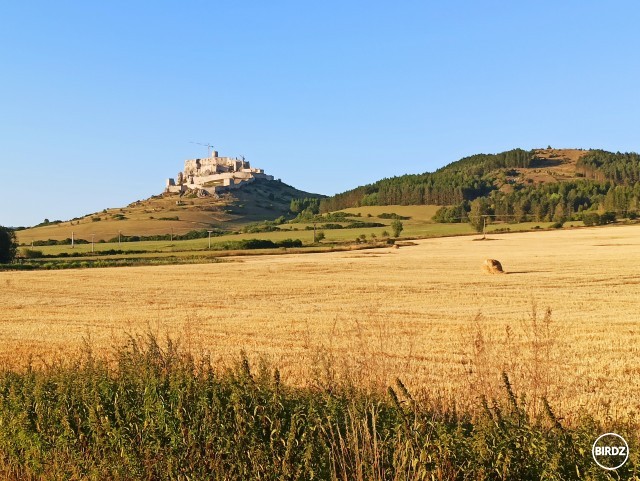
{"x": 215, "y": 175}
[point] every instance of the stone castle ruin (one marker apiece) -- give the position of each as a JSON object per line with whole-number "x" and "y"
{"x": 214, "y": 175}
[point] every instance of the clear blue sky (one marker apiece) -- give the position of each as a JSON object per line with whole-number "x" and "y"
{"x": 99, "y": 100}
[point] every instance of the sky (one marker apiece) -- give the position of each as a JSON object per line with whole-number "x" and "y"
{"x": 100, "y": 101}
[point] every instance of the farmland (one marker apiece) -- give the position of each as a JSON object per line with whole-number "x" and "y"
{"x": 424, "y": 312}
{"x": 417, "y": 222}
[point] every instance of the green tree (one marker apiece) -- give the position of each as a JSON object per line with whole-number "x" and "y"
{"x": 477, "y": 214}
{"x": 397, "y": 227}
{"x": 8, "y": 245}
{"x": 559, "y": 213}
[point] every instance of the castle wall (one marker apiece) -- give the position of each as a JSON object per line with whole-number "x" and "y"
{"x": 176, "y": 189}
{"x": 232, "y": 172}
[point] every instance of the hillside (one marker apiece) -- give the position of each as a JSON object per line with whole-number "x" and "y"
{"x": 170, "y": 212}
{"x": 517, "y": 185}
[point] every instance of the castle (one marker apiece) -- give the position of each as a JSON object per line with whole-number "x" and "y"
{"x": 214, "y": 175}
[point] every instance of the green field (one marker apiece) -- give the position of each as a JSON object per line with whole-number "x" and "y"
{"x": 306, "y": 236}
{"x": 418, "y": 224}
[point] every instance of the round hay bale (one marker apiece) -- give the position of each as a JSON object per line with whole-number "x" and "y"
{"x": 492, "y": 266}
{"x": 395, "y": 246}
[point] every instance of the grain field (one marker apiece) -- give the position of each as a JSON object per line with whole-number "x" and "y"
{"x": 426, "y": 313}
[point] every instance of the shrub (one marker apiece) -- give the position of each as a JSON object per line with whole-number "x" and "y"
{"x": 397, "y": 227}
{"x": 31, "y": 253}
{"x": 607, "y": 218}
{"x": 590, "y": 219}
{"x": 359, "y": 224}
{"x": 392, "y": 215}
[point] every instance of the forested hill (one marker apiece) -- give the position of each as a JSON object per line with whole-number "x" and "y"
{"x": 538, "y": 184}
{"x": 465, "y": 179}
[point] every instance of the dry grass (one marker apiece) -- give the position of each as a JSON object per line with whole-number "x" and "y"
{"x": 425, "y": 313}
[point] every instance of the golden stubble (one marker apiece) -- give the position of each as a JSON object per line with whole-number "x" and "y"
{"x": 425, "y": 313}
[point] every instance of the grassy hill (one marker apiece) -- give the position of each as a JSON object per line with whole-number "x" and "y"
{"x": 167, "y": 213}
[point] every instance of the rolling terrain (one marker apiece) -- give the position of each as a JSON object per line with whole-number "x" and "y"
{"x": 426, "y": 313}
{"x": 166, "y": 213}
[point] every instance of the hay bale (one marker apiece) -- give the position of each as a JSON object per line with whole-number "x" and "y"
{"x": 492, "y": 266}
{"x": 395, "y": 246}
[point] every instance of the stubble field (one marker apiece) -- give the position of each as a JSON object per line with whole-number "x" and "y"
{"x": 425, "y": 313}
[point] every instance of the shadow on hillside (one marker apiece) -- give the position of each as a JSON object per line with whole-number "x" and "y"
{"x": 542, "y": 163}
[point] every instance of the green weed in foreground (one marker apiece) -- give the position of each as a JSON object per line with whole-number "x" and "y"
{"x": 156, "y": 412}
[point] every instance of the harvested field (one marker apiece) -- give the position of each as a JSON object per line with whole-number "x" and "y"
{"x": 425, "y": 313}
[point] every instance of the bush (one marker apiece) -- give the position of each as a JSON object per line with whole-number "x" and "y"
{"x": 392, "y": 215}
{"x": 607, "y": 218}
{"x": 248, "y": 244}
{"x": 31, "y": 254}
{"x": 320, "y": 236}
{"x": 8, "y": 245}
{"x": 591, "y": 218}
{"x": 359, "y": 225}
{"x": 397, "y": 227}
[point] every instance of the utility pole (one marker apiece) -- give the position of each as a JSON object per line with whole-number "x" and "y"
{"x": 209, "y": 231}
{"x": 119, "y": 236}
{"x": 92, "y": 237}
{"x": 72, "y": 240}
{"x": 314, "y": 232}
{"x": 484, "y": 226}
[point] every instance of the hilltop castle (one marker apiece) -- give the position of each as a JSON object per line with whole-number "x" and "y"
{"x": 214, "y": 175}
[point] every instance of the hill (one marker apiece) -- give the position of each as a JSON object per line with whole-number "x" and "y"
{"x": 517, "y": 185}
{"x": 172, "y": 213}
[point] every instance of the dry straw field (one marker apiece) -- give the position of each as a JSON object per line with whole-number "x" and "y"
{"x": 426, "y": 313}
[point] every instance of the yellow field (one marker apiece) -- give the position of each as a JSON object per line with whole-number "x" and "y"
{"x": 425, "y": 313}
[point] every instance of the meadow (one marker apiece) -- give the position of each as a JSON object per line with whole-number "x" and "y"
{"x": 562, "y": 322}
{"x": 417, "y": 223}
